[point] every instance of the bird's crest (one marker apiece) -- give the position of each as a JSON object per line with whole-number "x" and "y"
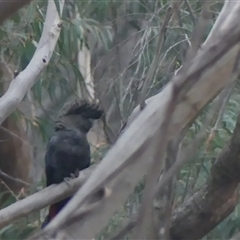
{"x": 83, "y": 108}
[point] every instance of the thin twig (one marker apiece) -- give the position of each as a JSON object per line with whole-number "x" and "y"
{"x": 224, "y": 98}
{"x": 198, "y": 33}
{"x": 191, "y": 13}
{"x": 155, "y": 62}
{"x": 15, "y": 136}
{"x": 16, "y": 180}
{"x": 9, "y": 189}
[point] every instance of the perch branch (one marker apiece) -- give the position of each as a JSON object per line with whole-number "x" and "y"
{"x": 42, "y": 198}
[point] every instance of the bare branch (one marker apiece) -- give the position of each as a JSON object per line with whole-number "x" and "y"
{"x": 28, "y": 77}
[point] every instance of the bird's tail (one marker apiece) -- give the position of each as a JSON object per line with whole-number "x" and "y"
{"x": 54, "y": 209}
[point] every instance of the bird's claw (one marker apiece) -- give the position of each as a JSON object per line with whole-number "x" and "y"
{"x": 72, "y": 176}
{"x": 67, "y": 180}
{"x": 76, "y": 174}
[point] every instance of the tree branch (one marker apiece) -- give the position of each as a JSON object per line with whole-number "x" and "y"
{"x": 42, "y": 199}
{"x": 28, "y": 77}
{"x": 145, "y": 221}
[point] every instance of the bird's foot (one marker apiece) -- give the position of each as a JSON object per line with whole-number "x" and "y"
{"x": 76, "y": 174}
{"x": 72, "y": 176}
{"x": 67, "y": 180}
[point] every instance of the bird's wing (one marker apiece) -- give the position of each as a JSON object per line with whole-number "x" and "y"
{"x": 49, "y": 169}
{"x": 66, "y": 152}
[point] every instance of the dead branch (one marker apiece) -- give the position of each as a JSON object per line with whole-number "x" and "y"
{"x": 7, "y": 8}
{"x": 28, "y": 77}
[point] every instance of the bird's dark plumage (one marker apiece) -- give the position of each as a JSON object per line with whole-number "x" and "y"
{"x": 68, "y": 150}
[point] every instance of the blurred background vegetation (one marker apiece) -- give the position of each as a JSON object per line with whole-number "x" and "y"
{"x": 121, "y": 37}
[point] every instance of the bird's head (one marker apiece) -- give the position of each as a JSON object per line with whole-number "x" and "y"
{"x": 80, "y": 114}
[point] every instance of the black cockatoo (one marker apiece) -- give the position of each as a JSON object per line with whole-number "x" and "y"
{"x": 68, "y": 150}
